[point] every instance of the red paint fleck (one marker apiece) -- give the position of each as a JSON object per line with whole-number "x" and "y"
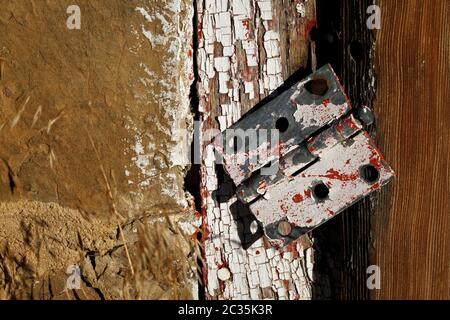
{"x": 309, "y": 26}
{"x": 248, "y": 73}
{"x": 347, "y": 123}
{"x": 308, "y": 193}
{"x": 351, "y": 124}
{"x": 326, "y": 102}
{"x": 375, "y": 186}
{"x": 331, "y": 212}
{"x": 375, "y": 162}
{"x": 257, "y": 252}
{"x": 286, "y": 284}
{"x": 348, "y": 161}
{"x": 333, "y": 174}
{"x": 375, "y": 158}
{"x": 246, "y": 23}
{"x": 189, "y": 53}
{"x": 297, "y": 198}
{"x": 309, "y": 221}
{"x": 276, "y": 246}
{"x": 205, "y": 233}
{"x": 292, "y": 247}
{"x": 339, "y": 127}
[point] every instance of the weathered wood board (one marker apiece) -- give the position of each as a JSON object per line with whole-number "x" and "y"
{"x": 405, "y": 228}
{"x": 411, "y": 225}
{"x": 246, "y": 49}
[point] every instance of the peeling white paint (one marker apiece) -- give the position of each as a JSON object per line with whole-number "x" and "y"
{"x": 171, "y": 39}
{"x": 253, "y": 272}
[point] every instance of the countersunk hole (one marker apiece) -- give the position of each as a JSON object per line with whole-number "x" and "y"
{"x": 369, "y": 173}
{"x": 356, "y": 50}
{"x": 282, "y": 124}
{"x": 317, "y": 86}
{"x": 320, "y": 191}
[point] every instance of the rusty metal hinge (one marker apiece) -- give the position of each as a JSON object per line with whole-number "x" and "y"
{"x": 303, "y": 157}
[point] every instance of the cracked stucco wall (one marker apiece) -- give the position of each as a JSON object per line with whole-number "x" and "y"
{"x": 95, "y": 123}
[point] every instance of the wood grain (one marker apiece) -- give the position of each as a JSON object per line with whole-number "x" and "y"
{"x": 411, "y": 224}
{"x": 344, "y": 242}
{"x": 357, "y": 67}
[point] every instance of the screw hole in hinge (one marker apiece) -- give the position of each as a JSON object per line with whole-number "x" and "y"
{"x": 282, "y": 125}
{"x": 320, "y": 191}
{"x": 318, "y": 87}
{"x": 369, "y": 174}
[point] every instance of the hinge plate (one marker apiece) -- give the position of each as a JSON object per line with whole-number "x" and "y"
{"x": 313, "y": 159}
